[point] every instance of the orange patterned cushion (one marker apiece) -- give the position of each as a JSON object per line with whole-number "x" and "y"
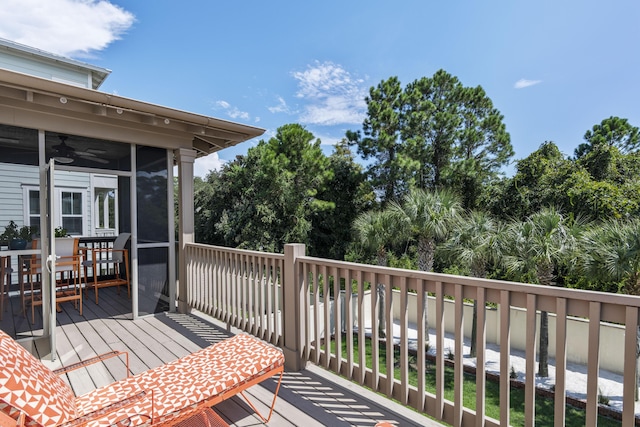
{"x": 177, "y": 386}
{"x": 28, "y": 385}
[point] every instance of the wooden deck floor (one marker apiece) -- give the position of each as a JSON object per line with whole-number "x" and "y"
{"x": 311, "y": 397}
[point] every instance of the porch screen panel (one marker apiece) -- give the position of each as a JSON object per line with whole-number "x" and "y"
{"x": 153, "y": 280}
{"x": 152, "y": 175}
{"x": 18, "y": 145}
{"x": 153, "y": 229}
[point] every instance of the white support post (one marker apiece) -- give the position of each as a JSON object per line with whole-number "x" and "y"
{"x": 185, "y": 158}
{"x": 292, "y": 309}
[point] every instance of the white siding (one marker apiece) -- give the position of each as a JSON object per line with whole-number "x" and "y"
{"x": 34, "y": 67}
{"x": 13, "y": 179}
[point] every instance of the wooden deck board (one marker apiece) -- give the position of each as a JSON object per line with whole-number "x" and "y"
{"x": 309, "y": 398}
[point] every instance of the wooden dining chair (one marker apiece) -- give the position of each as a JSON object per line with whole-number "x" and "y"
{"x": 114, "y": 261}
{"x": 5, "y": 279}
{"x": 68, "y": 260}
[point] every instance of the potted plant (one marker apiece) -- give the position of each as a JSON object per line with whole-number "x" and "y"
{"x": 17, "y": 238}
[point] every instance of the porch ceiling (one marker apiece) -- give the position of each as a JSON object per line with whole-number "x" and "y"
{"x": 34, "y": 102}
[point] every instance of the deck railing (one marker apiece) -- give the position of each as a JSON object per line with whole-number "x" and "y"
{"x": 324, "y": 311}
{"x": 241, "y": 288}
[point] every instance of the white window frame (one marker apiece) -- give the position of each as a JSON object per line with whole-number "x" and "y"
{"x": 57, "y": 221}
{"x": 99, "y": 183}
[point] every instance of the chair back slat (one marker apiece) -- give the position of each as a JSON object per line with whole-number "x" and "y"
{"x": 118, "y": 246}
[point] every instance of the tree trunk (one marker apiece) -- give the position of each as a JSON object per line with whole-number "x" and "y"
{"x": 476, "y": 271}
{"x": 545, "y": 277}
{"x": 382, "y": 321}
{"x": 543, "y": 363}
{"x": 474, "y": 329}
{"x": 426, "y": 250}
{"x": 382, "y": 318}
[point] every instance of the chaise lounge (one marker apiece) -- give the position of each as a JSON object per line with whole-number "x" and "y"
{"x": 32, "y": 394}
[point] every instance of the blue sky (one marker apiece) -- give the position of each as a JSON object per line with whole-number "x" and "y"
{"x": 552, "y": 68}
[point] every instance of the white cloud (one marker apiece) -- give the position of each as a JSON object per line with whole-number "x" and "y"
{"x": 522, "y": 83}
{"x": 281, "y": 107}
{"x": 231, "y": 111}
{"x": 203, "y": 165}
{"x": 332, "y": 94}
{"x": 328, "y": 140}
{"x": 64, "y": 27}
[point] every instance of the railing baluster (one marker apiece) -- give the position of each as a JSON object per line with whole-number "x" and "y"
{"x": 255, "y": 283}
{"x": 316, "y": 313}
{"x": 277, "y": 292}
{"x": 390, "y": 350}
{"x": 440, "y": 355}
{"x": 335, "y": 272}
{"x": 630, "y": 385}
{"x": 481, "y": 336}
{"x": 307, "y": 308}
{"x": 404, "y": 342}
{"x": 458, "y": 376}
{"x": 362, "y": 361}
{"x": 220, "y": 280}
{"x": 561, "y": 362}
{"x": 348, "y": 322}
{"x": 206, "y": 282}
{"x": 326, "y": 295}
{"x": 375, "y": 345}
{"x": 233, "y": 289}
{"x": 505, "y": 358}
{"x": 242, "y": 293}
{"x": 530, "y": 374}
{"x": 252, "y": 278}
{"x": 238, "y": 294}
{"x": 266, "y": 304}
{"x": 422, "y": 344}
{"x": 593, "y": 364}
{"x": 224, "y": 287}
{"x": 190, "y": 258}
{"x": 215, "y": 309}
{"x": 259, "y": 284}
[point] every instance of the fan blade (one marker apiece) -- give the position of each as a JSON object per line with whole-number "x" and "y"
{"x": 85, "y": 154}
{"x": 98, "y": 160}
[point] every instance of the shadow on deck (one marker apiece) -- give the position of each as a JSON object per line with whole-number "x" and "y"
{"x": 311, "y": 397}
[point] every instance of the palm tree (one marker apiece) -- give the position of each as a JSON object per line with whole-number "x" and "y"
{"x": 375, "y": 232}
{"x": 476, "y": 243}
{"x": 614, "y": 255}
{"x": 536, "y": 249}
{"x": 426, "y": 217}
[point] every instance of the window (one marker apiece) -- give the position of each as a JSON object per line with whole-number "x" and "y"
{"x": 104, "y": 220}
{"x": 71, "y": 212}
{"x": 34, "y": 208}
{"x": 69, "y": 209}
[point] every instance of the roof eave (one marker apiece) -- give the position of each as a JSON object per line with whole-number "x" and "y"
{"x": 215, "y": 132}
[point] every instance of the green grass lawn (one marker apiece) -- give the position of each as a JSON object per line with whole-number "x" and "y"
{"x": 544, "y": 406}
